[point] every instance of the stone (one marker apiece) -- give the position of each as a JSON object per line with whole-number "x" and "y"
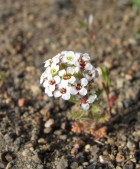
{"x": 35, "y": 89}
{"x": 104, "y": 159}
{"x": 87, "y": 148}
{"x": 49, "y": 123}
{"x": 42, "y": 141}
{"x": 25, "y": 152}
{"x": 47, "y": 130}
{"x": 74, "y": 165}
{"x": 129, "y": 165}
{"x": 119, "y": 82}
{"x": 118, "y": 167}
{"x": 128, "y": 77}
{"x": 22, "y": 102}
{"x": 131, "y": 145}
{"x": 63, "y": 137}
{"x": 119, "y": 158}
{"x": 61, "y": 164}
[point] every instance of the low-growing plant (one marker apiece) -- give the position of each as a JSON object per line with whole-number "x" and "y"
{"x": 71, "y": 76}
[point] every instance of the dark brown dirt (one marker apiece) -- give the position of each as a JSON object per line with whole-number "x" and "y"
{"x": 32, "y": 31}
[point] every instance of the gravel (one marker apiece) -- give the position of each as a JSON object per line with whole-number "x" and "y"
{"x": 34, "y": 130}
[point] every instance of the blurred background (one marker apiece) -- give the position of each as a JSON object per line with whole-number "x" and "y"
{"x": 32, "y": 31}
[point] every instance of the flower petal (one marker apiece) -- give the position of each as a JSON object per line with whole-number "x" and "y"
{"x": 84, "y": 82}
{"x": 61, "y": 72}
{"x": 88, "y": 66}
{"x": 55, "y": 60}
{"x": 57, "y": 79}
{"x": 52, "y": 87}
{"x": 45, "y": 84}
{"x": 86, "y": 57}
{"x": 63, "y": 84}
{"x": 91, "y": 99}
{"x": 83, "y": 91}
{"x": 47, "y": 63}
{"x": 72, "y": 80}
{"x": 70, "y": 70}
{"x": 46, "y": 89}
{"x": 85, "y": 106}
{"x": 73, "y": 90}
{"x": 77, "y": 56}
{"x": 57, "y": 93}
{"x": 50, "y": 93}
{"x": 66, "y": 96}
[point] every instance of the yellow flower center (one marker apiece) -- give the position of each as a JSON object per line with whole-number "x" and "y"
{"x": 67, "y": 76}
{"x": 70, "y": 58}
{"x": 53, "y": 70}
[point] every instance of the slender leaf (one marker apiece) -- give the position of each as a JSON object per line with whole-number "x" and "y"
{"x": 105, "y": 74}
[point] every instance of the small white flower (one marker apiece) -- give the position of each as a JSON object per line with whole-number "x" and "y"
{"x": 63, "y": 92}
{"x": 85, "y": 106}
{"x": 90, "y": 74}
{"x": 86, "y": 57}
{"x": 50, "y": 84}
{"x": 48, "y": 92}
{"x": 67, "y": 75}
{"x": 79, "y": 88}
{"x": 70, "y": 57}
{"x": 85, "y": 102}
{"x": 54, "y": 60}
{"x": 48, "y": 63}
{"x": 42, "y": 77}
{"x": 92, "y": 98}
{"x": 70, "y": 73}
{"x": 52, "y": 69}
{"x": 83, "y": 62}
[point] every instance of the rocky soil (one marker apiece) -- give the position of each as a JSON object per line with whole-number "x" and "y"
{"x": 35, "y": 132}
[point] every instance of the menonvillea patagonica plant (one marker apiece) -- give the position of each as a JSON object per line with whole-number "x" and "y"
{"x": 70, "y": 75}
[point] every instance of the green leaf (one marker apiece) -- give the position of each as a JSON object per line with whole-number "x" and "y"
{"x": 105, "y": 74}
{"x": 74, "y": 99}
{"x": 99, "y": 92}
{"x": 106, "y": 88}
{"x": 95, "y": 109}
{"x": 136, "y": 2}
{"x": 78, "y": 115}
{"x": 85, "y": 118}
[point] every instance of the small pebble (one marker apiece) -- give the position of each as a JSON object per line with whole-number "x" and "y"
{"x": 58, "y": 132}
{"x": 42, "y": 141}
{"x": 22, "y": 102}
{"x": 25, "y": 153}
{"x": 119, "y": 82}
{"x": 35, "y": 89}
{"x": 104, "y": 159}
{"x": 47, "y": 130}
{"x": 130, "y": 145}
{"x": 128, "y": 77}
{"x": 74, "y": 165}
{"x": 63, "y": 137}
{"x": 61, "y": 164}
{"x": 87, "y": 148}
{"x": 118, "y": 167}
{"x": 8, "y": 156}
{"x": 128, "y": 103}
{"x": 119, "y": 158}
{"x": 49, "y": 123}
{"x": 129, "y": 165}
{"x": 2, "y": 165}
{"x": 36, "y": 159}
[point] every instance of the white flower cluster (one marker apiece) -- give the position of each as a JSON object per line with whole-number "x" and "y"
{"x": 70, "y": 74}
